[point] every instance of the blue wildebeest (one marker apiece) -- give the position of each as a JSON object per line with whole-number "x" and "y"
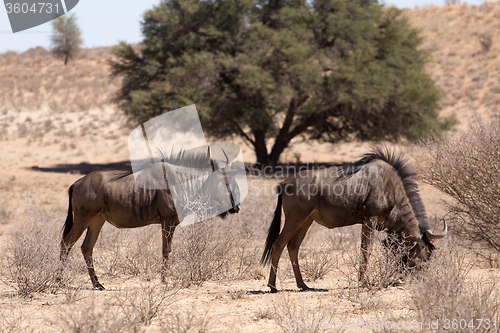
{"x": 378, "y": 192}
{"x": 115, "y": 196}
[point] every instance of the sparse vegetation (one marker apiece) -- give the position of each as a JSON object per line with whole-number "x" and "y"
{"x": 446, "y": 291}
{"x": 148, "y": 302}
{"x": 34, "y": 81}
{"x": 465, "y": 165}
{"x": 215, "y": 282}
{"x": 31, "y": 257}
{"x": 94, "y": 316}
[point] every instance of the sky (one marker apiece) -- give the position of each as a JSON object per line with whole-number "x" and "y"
{"x": 107, "y": 22}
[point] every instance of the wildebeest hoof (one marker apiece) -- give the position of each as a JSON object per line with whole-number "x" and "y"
{"x": 304, "y": 288}
{"x": 99, "y": 286}
{"x": 96, "y": 284}
{"x": 273, "y": 289}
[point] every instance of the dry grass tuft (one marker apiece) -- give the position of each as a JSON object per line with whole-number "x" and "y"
{"x": 290, "y": 316}
{"x": 148, "y": 302}
{"x": 191, "y": 321}
{"x": 93, "y": 316}
{"x": 201, "y": 252}
{"x": 318, "y": 261}
{"x": 446, "y": 291}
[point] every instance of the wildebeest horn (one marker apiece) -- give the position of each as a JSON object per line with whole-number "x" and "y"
{"x": 430, "y": 235}
{"x": 229, "y": 164}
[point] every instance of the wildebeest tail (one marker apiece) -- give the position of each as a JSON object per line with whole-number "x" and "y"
{"x": 274, "y": 229}
{"x": 69, "y": 219}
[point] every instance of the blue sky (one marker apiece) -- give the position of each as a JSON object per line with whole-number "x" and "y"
{"x": 106, "y": 22}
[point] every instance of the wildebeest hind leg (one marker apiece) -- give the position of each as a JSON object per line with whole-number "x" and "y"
{"x": 289, "y": 230}
{"x": 88, "y": 246}
{"x": 293, "y": 252}
{"x": 68, "y": 242}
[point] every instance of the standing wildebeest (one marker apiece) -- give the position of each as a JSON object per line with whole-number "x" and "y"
{"x": 377, "y": 191}
{"x": 114, "y": 196}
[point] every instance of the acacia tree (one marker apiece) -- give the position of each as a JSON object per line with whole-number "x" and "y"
{"x": 65, "y": 39}
{"x": 278, "y": 69}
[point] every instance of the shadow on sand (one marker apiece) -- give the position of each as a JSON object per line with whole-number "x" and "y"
{"x": 84, "y": 168}
{"x": 278, "y": 171}
{"x": 261, "y": 292}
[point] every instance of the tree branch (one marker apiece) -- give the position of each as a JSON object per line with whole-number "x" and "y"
{"x": 242, "y": 132}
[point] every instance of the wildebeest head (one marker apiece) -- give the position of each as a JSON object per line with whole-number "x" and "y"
{"x": 419, "y": 250}
{"x": 222, "y": 181}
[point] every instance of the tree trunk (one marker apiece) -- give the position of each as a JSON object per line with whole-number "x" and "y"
{"x": 284, "y": 136}
{"x": 260, "y": 147}
{"x": 280, "y": 145}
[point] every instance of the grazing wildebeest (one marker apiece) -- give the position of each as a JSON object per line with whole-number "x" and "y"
{"x": 377, "y": 191}
{"x": 114, "y": 196}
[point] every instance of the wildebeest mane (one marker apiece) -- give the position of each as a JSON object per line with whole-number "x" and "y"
{"x": 183, "y": 158}
{"x": 400, "y": 163}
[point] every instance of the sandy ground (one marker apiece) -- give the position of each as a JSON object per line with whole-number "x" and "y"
{"x": 37, "y": 169}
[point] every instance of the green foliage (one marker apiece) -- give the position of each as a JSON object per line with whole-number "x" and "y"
{"x": 326, "y": 69}
{"x": 65, "y": 39}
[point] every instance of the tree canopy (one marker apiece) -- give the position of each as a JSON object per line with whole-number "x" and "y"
{"x": 65, "y": 39}
{"x": 272, "y": 70}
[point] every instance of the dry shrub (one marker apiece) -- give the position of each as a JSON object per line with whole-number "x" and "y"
{"x": 191, "y": 321}
{"x": 142, "y": 254}
{"x": 148, "y": 302}
{"x": 237, "y": 294}
{"x": 447, "y": 290}
{"x": 316, "y": 262}
{"x": 385, "y": 265}
{"x": 466, "y": 165}
{"x": 292, "y": 317}
{"x": 133, "y": 252}
{"x": 263, "y": 313}
{"x": 32, "y": 255}
{"x": 201, "y": 252}
{"x": 92, "y": 316}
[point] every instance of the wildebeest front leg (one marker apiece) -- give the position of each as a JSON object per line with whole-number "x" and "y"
{"x": 167, "y": 231}
{"x": 88, "y": 247}
{"x": 366, "y": 246}
{"x": 293, "y": 252}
